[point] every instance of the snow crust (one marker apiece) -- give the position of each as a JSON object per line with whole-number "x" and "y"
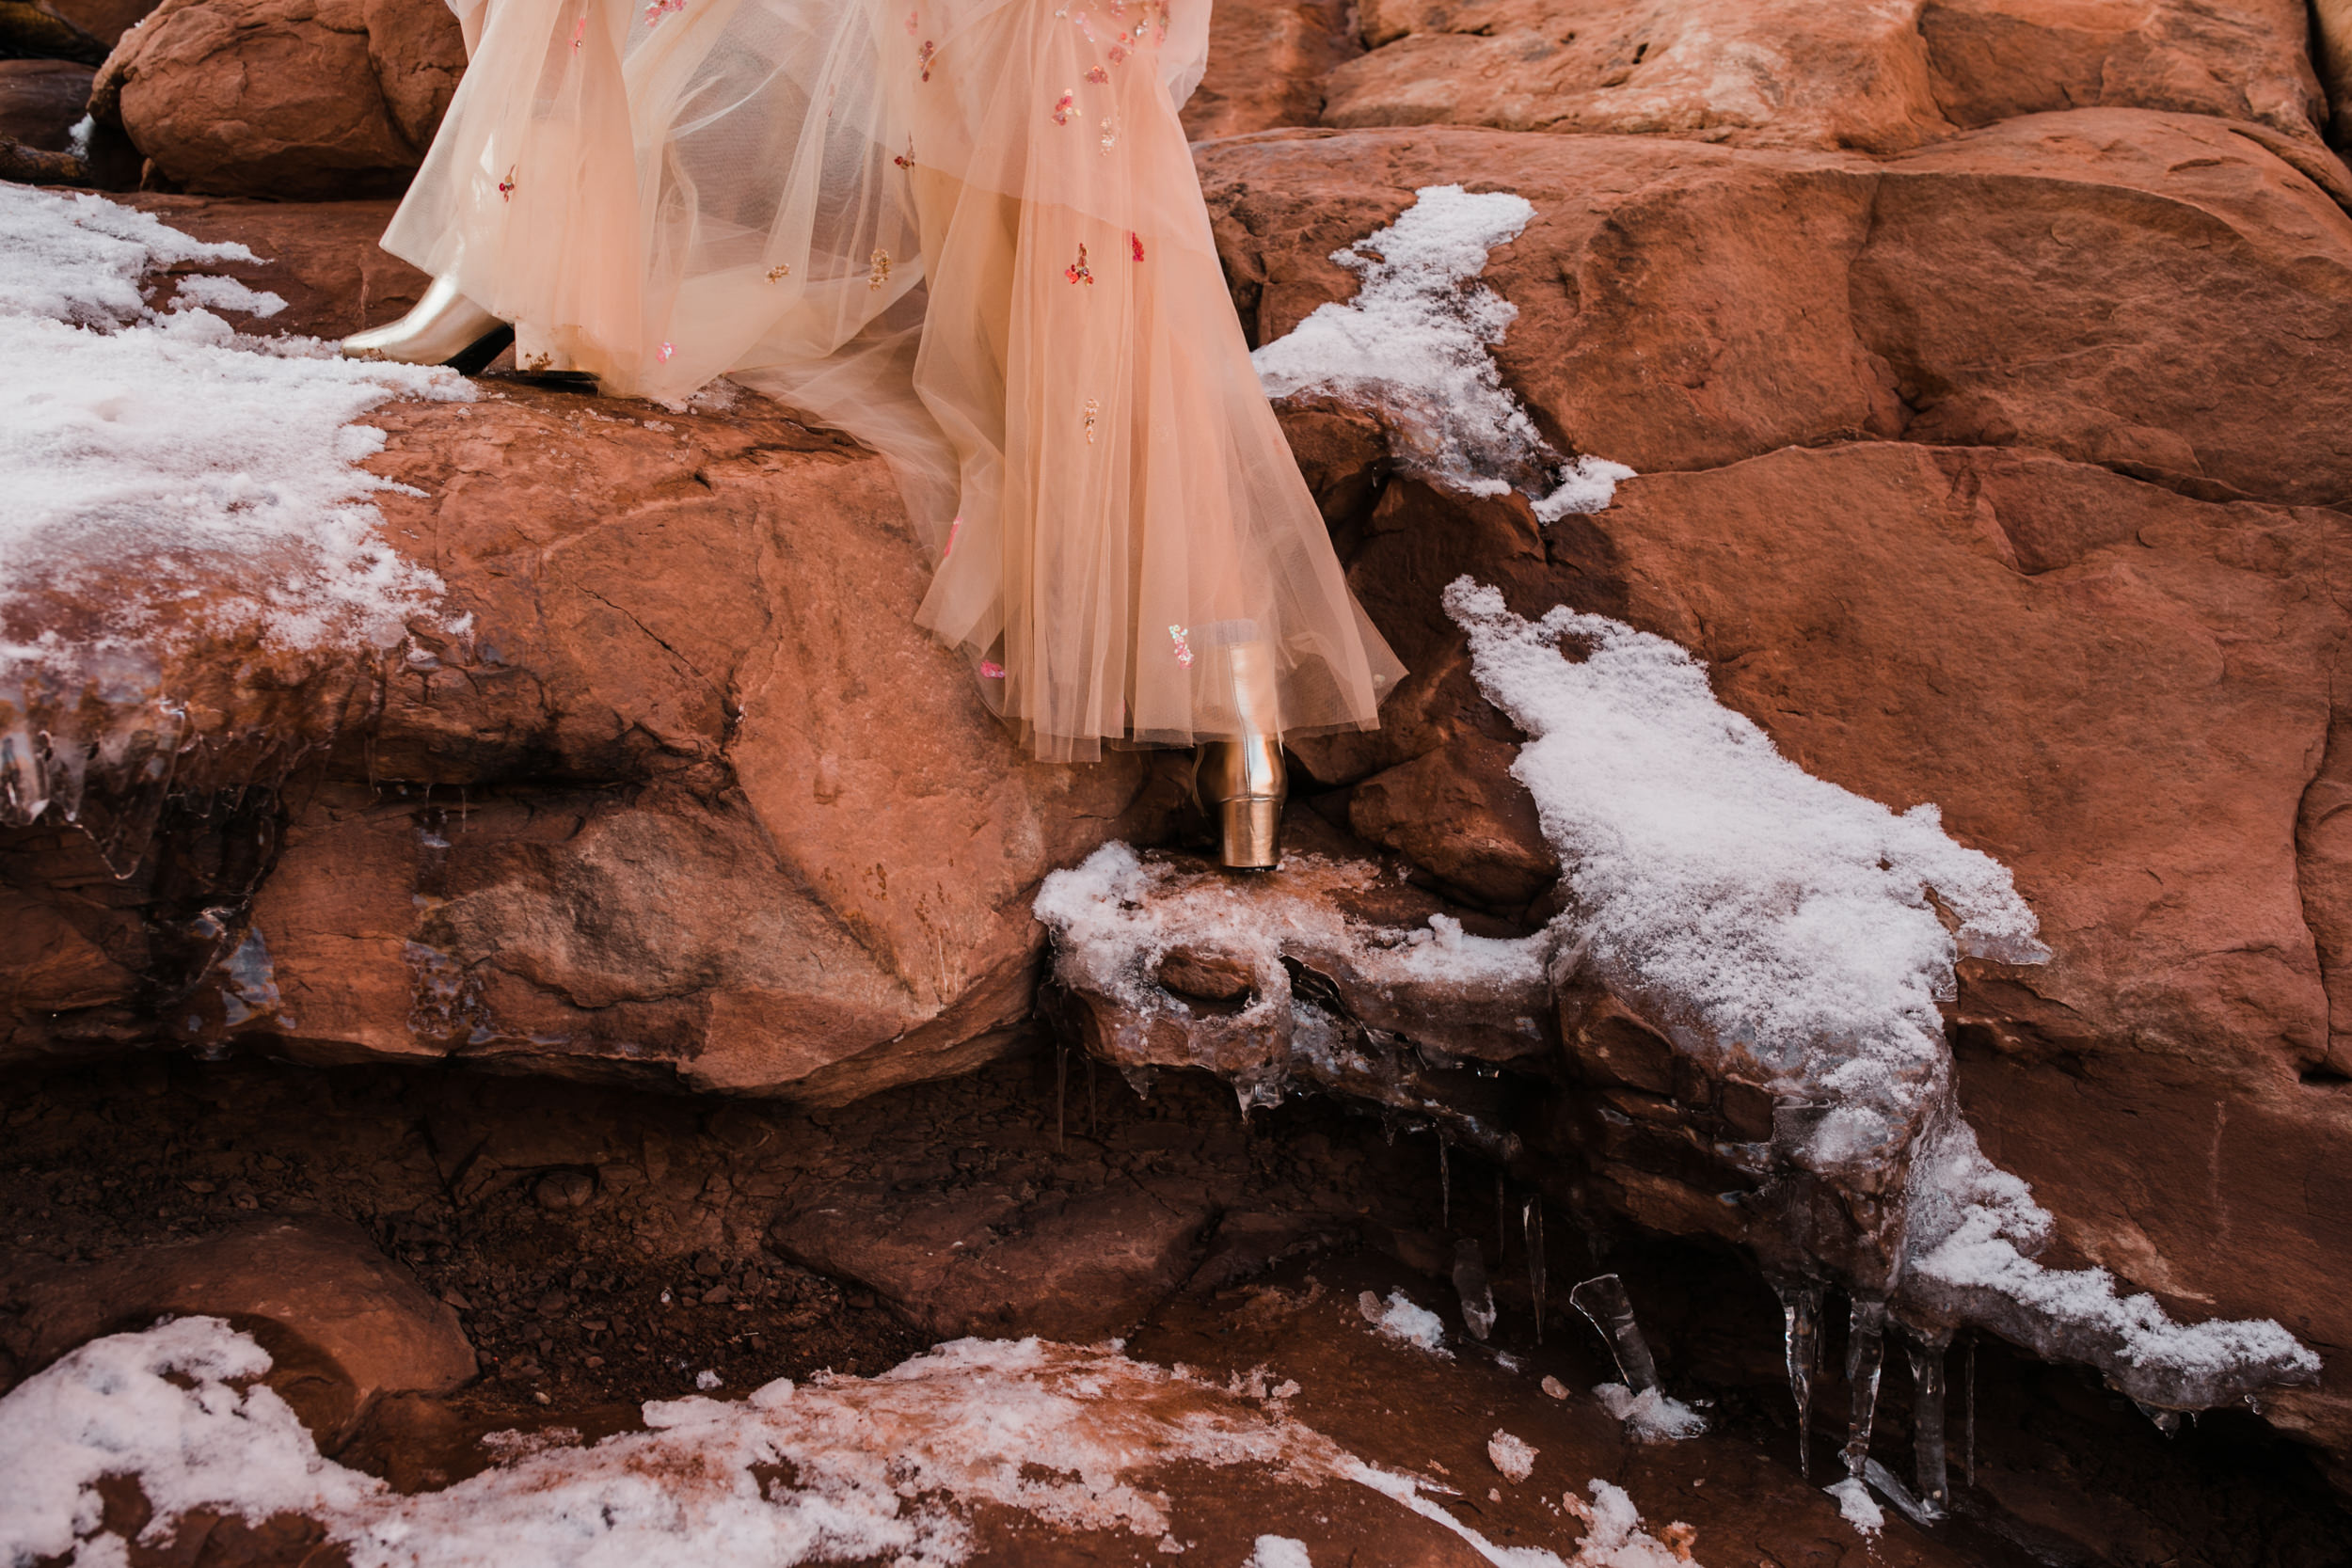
{"x": 1400, "y": 1319}
{"x": 1771, "y": 918}
{"x": 1413, "y": 344}
{"x": 151, "y": 460}
{"x": 1858, "y": 1508}
{"x": 1511, "y": 1455}
{"x": 1651, "y": 1416}
{"x": 882, "y": 1467}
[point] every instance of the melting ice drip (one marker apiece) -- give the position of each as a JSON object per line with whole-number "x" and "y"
{"x": 1770, "y": 922}
{"x": 162, "y": 476}
{"x": 1413, "y": 344}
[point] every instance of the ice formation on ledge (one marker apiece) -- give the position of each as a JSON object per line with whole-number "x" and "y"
{"x": 164, "y": 481}
{"x": 1403, "y": 1320}
{"x": 879, "y": 1467}
{"x": 1651, "y": 1416}
{"x": 1764, "y": 917}
{"x": 1413, "y": 344}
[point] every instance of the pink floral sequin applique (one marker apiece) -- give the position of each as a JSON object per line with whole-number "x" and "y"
{"x": 664, "y": 353}
{"x": 579, "y": 31}
{"x": 1135, "y": 245}
{"x": 661, "y": 8}
{"x": 1093, "y": 413}
{"x": 906, "y": 160}
{"x": 1062, "y": 106}
{"x": 1118, "y": 53}
{"x": 1096, "y": 74}
{"x": 1078, "y": 271}
{"x": 990, "y": 670}
{"x": 506, "y": 187}
{"x": 880, "y": 274}
{"x": 778, "y": 273}
{"x": 924, "y": 56}
{"x": 1183, "y": 645}
{"x": 1111, "y": 135}
{"x": 914, "y": 23}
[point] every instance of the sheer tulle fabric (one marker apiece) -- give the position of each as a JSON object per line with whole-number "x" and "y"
{"x": 968, "y": 232}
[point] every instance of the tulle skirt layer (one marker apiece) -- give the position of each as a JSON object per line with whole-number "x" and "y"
{"x": 968, "y": 232}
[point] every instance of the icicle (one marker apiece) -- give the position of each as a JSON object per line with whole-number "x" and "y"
{"x": 1603, "y": 1300}
{"x": 1532, "y": 1224}
{"x": 1061, "y": 1090}
{"x": 1866, "y": 1357}
{"x": 1801, "y": 1314}
{"x": 1929, "y": 1467}
{"x": 1882, "y": 1480}
{"x": 1968, "y": 1422}
{"x": 1470, "y": 1283}
{"x": 1445, "y": 1184}
{"x": 1139, "y": 1079}
{"x": 2168, "y": 1421}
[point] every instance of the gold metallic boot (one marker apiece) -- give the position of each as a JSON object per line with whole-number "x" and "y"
{"x": 1243, "y": 782}
{"x": 445, "y": 328}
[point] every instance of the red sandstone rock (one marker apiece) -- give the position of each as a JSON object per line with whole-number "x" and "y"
{"x": 104, "y": 20}
{"x": 39, "y": 101}
{"x": 343, "y": 1322}
{"x": 290, "y": 100}
{"x": 320, "y": 257}
{"x": 1683, "y": 306}
{"x": 1267, "y": 61}
{"x": 1876, "y": 78}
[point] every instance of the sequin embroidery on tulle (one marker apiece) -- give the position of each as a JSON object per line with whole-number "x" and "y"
{"x": 953, "y": 529}
{"x": 881, "y": 273}
{"x": 1111, "y": 135}
{"x": 1118, "y": 53}
{"x": 778, "y": 273}
{"x": 664, "y": 354}
{"x": 1096, "y": 74}
{"x": 906, "y": 160}
{"x": 579, "y": 31}
{"x": 1062, "y": 106}
{"x": 914, "y": 23}
{"x": 1094, "y": 410}
{"x": 1078, "y": 271}
{"x": 1179, "y": 636}
{"x": 924, "y": 56}
{"x": 990, "y": 670}
{"x": 1135, "y": 245}
{"x": 659, "y": 8}
{"x": 506, "y": 187}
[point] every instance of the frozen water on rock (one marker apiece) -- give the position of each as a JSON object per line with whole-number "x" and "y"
{"x": 1398, "y": 1318}
{"x": 880, "y": 1467}
{"x": 163, "y": 475}
{"x": 1650, "y": 1415}
{"x": 1855, "y": 1503}
{"x": 1413, "y": 344}
{"x": 1775, "y": 923}
{"x": 1511, "y": 1456}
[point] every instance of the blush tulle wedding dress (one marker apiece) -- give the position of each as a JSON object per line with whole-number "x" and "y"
{"x": 969, "y": 233}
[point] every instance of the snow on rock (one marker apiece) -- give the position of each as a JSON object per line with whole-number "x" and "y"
{"x": 1400, "y": 1319}
{"x": 167, "y": 479}
{"x": 1650, "y": 1415}
{"x": 1770, "y": 919}
{"x": 1511, "y": 1456}
{"x": 1413, "y": 344}
{"x": 1614, "y": 1537}
{"x": 882, "y": 1467}
{"x": 1857, "y": 1506}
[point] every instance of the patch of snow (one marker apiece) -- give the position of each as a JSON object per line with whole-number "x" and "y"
{"x": 1858, "y": 1508}
{"x": 1414, "y": 345}
{"x": 151, "y": 459}
{"x": 1511, "y": 1455}
{"x": 1650, "y": 1415}
{"x": 1614, "y": 1537}
{"x": 1278, "y": 1551}
{"x": 1399, "y": 1318}
{"x": 707, "y": 1380}
{"x": 1772, "y": 919}
{"x": 226, "y": 294}
{"x": 878, "y": 1465}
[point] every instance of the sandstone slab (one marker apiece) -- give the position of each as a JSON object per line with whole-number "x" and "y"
{"x": 286, "y": 100}
{"x": 344, "y": 1324}
{"x": 1683, "y": 306}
